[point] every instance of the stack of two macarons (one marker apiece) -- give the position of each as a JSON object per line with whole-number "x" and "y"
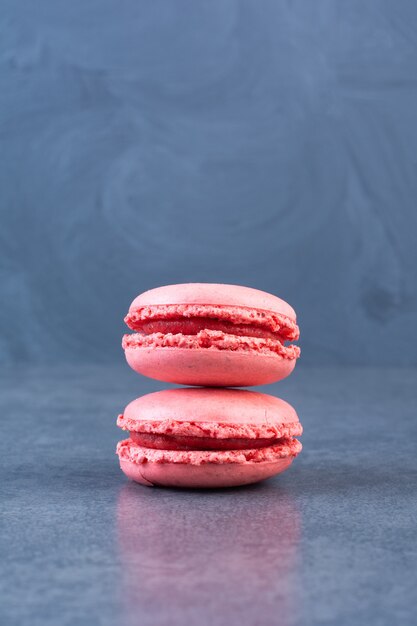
{"x": 215, "y": 337}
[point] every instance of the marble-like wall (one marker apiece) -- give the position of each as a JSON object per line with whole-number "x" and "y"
{"x": 265, "y": 143}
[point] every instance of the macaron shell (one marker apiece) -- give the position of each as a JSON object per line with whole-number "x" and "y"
{"x": 214, "y": 293}
{"x": 226, "y": 406}
{"x": 209, "y": 367}
{"x": 202, "y": 476}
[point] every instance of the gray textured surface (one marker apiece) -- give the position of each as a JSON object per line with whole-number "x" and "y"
{"x": 333, "y": 540}
{"x": 270, "y": 144}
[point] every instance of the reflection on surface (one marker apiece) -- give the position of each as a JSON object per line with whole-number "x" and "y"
{"x": 221, "y": 557}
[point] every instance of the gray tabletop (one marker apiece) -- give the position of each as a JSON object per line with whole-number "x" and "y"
{"x": 333, "y": 540}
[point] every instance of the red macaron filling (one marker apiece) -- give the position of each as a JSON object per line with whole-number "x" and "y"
{"x": 131, "y": 452}
{"x": 193, "y": 326}
{"x": 181, "y": 442}
{"x": 190, "y": 319}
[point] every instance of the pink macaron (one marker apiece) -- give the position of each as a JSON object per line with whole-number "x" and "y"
{"x": 196, "y": 437}
{"x": 211, "y": 334}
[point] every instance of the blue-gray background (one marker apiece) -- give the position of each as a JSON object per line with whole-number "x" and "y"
{"x": 268, "y": 143}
